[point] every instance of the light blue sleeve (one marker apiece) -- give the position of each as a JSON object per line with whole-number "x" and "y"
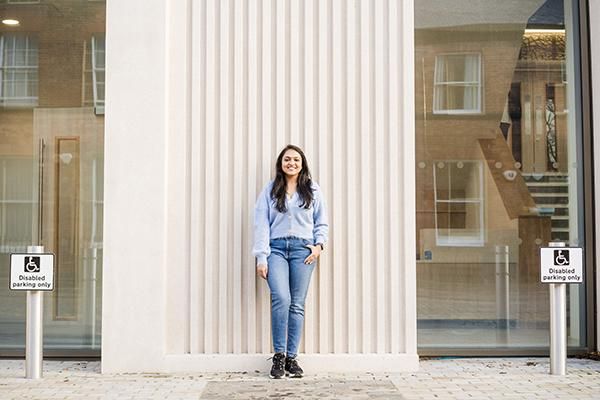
{"x": 262, "y": 229}
{"x": 321, "y": 224}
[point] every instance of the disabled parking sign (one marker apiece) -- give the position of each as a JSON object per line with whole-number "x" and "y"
{"x": 31, "y": 271}
{"x": 561, "y": 265}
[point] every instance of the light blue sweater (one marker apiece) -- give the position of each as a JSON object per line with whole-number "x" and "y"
{"x": 310, "y": 224}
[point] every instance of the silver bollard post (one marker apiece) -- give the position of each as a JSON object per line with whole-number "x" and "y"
{"x": 558, "y": 324}
{"x": 502, "y": 293}
{"x": 34, "y": 346}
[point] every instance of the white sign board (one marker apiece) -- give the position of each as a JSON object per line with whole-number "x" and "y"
{"x": 31, "y": 271}
{"x": 561, "y": 264}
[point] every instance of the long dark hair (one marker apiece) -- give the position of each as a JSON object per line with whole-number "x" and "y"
{"x": 304, "y": 187}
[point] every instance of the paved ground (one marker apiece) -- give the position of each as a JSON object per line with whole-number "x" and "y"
{"x": 467, "y": 378}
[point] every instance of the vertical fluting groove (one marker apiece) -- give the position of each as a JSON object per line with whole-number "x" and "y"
{"x": 307, "y": 125}
{"x": 305, "y": 128}
{"x": 287, "y": 70}
{"x": 275, "y": 109}
{"x": 281, "y": 136}
{"x": 255, "y": 21}
{"x": 373, "y": 173}
{"x": 222, "y": 172}
{"x": 197, "y": 96}
{"x": 317, "y": 156}
{"x": 296, "y": 77}
{"x": 337, "y": 160}
{"x": 344, "y": 161}
{"x": 216, "y": 172}
{"x": 202, "y": 150}
{"x": 365, "y": 173}
{"x": 329, "y": 172}
{"x": 324, "y": 95}
{"x": 360, "y": 212}
{"x": 380, "y": 175}
{"x": 317, "y": 85}
{"x": 244, "y": 37}
{"x": 186, "y": 334}
{"x": 212, "y": 125}
{"x": 395, "y": 181}
{"x": 301, "y": 124}
{"x": 388, "y": 176}
{"x": 247, "y": 151}
{"x": 239, "y": 139}
{"x": 230, "y": 199}
{"x": 351, "y": 176}
{"x": 293, "y": 75}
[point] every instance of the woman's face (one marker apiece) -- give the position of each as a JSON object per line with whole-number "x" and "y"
{"x": 291, "y": 163}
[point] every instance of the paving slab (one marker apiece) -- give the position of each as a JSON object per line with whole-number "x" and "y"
{"x": 445, "y": 378}
{"x": 302, "y": 389}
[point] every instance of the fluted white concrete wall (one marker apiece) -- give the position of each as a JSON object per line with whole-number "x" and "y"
{"x": 240, "y": 79}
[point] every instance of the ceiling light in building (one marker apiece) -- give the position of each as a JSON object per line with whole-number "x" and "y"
{"x": 11, "y": 22}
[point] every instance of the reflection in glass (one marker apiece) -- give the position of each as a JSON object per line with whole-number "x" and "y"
{"x": 457, "y": 86}
{"x": 51, "y": 161}
{"x": 18, "y": 70}
{"x": 495, "y": 131}
{"x": 459, "y": 203}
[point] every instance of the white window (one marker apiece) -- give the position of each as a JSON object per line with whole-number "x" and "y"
{"x": 94, "y": 79}
{"x": 457, "y": 84}
{"x": 458, "y": 193}
{"x": 18, "y": 209}
{"x": 18, "y": 71}
{"x": 98, "y": 57}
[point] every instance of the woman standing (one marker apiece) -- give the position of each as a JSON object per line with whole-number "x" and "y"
{"x": 290, "y": 231}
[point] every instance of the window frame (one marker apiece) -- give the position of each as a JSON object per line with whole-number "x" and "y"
{"x": 98, "y": 104}
{"x": 460, "y": 241}
{"x": 464, "y": 84}
{"x": 8, "y": 166}
{"x": 17, "y": 102}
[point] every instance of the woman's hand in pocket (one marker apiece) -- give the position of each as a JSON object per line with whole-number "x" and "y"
{"x": 315, "y": 252}
{"x": 262, "y": 270}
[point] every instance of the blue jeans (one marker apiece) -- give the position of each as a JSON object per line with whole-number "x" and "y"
{"x": 288, "y": 279}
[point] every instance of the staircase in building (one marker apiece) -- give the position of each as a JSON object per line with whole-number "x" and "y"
{"x": 550, "y": 191}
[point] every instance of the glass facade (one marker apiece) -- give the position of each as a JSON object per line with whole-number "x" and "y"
{"x": 497, "y": 148}
{"x": 51, "y": 165}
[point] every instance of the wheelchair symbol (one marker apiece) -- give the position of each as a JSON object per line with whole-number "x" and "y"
{"x": 560, "y": 258}
{"x": 33, "y": 265}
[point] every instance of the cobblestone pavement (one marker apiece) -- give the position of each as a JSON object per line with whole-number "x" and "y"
{"x": 449, "y": 378}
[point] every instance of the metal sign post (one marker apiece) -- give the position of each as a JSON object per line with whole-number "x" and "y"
{"x": 34, "y": 336}
{"x": 34, "y": 272}
{"x": 558, "y": 325}
{"x": 559, "y": 265}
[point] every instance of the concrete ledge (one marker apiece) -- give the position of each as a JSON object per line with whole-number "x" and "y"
{"x": 310, "y": 362}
